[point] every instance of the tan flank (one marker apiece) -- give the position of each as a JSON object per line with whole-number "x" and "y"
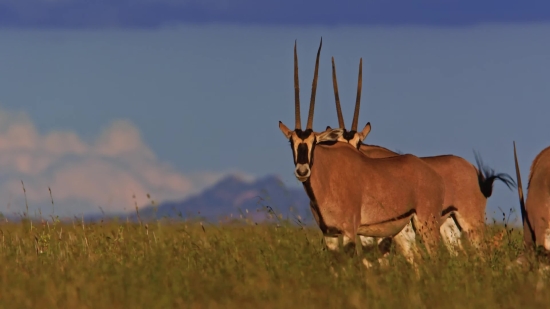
{"x": 466, "y": 187}
{"x": 352, "y": 194}
{"x": 536, "y": 209}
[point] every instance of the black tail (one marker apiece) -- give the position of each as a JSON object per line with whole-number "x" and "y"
{"x": 486, "y": 176}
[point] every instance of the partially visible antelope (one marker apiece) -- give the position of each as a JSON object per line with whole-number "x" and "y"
{"x": 466, "y": 188}
{"x": 352, "y": 194}
{"x": 535, "y": 211}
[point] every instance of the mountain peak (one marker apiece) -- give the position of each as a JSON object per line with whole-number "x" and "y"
{"x": 237, "y": 192}
{"x": 233, "y": 180}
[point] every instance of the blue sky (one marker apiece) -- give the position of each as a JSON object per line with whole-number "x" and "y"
{"x": 99, "y": 110}
{"x": 154, "y": 13}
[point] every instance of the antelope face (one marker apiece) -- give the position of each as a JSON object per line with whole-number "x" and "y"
{"x": 301, "y": 141}
{"x": 353, "y": 138}
{"x": 303, "y": 144}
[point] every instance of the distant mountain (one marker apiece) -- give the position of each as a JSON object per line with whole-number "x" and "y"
{"x": 232, "y": 196}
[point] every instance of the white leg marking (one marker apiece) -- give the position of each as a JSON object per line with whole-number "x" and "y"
{"x": 451, "y": 235}
{"x": 346, "y": 240}
{"x": 469, "y": 230}
{"x": 367, "y": 243}
{"x": 405, "y": 241}
{"x": 332, "y": 242}
{"x": 547, "y": 239}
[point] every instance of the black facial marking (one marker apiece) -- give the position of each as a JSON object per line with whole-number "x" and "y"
{"x": 302, "y": 154}
{"x": 312, "y": 152}
{"x": 303, "y": 134}
{"x": 348, "y": 135}
{"x": 293, "y": 152}
{"x": 303, "y": 149}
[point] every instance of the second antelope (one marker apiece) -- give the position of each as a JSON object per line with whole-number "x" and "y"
{"x": 466, "y": 188}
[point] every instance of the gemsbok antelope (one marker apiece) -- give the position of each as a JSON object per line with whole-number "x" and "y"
{"x": 535, "y": 211}
{"x": 352, "y": 194}
{"x": 466, "y": 188}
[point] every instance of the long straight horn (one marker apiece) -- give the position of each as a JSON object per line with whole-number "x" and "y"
{"x": 337, "y": 97}
{"x": 314, "y": 89}
{"x": 528, "y": 238}
{"x": 298, "y": 124}
{"x": 358, "y": 99}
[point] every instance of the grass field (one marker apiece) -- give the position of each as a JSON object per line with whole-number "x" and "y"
{"x": 188, "y": 265}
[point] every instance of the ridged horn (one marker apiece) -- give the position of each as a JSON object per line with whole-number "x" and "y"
{"x": 298, "y": 124}
{"x": 358, "y": 98}
{"x": 314, "y": 89}
{"x": 337, "y": 97}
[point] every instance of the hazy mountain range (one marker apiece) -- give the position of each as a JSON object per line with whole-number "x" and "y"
{"x": 231, "y": 197}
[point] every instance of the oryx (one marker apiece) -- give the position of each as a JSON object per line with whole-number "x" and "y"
{"x": 466, "y": 188}
{"x": 352, "y": 194}
{"x": 535, "y": 211}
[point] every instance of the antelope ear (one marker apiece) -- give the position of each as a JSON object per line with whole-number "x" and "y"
{"x": 286, "y": 131}
{"x": 366, "y": 130}
{"x": 330, "y": 135}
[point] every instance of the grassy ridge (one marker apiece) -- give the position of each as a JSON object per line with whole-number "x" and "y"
{"x": 187, "y": 265}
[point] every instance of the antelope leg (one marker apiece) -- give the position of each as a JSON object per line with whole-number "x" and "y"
{"x": 332, "y": 242}
{"x": 451, "y": 235}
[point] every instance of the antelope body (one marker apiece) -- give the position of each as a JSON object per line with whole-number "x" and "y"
{"x": 536, "y": 209}
{"x": 352, "y": 194}
{"x": 466, "y": 188}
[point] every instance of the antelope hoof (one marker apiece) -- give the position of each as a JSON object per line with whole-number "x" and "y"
{"x": 332, "y": 243}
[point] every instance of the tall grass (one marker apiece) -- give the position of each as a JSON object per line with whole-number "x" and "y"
{"x": 164, "y": 264}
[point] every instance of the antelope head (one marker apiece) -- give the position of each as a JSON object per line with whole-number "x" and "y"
{"x": 301, "y": 141}
{"x": 353, "y": 137}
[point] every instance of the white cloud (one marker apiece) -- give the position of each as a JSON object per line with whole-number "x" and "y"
{"x": 84, "y": 176}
